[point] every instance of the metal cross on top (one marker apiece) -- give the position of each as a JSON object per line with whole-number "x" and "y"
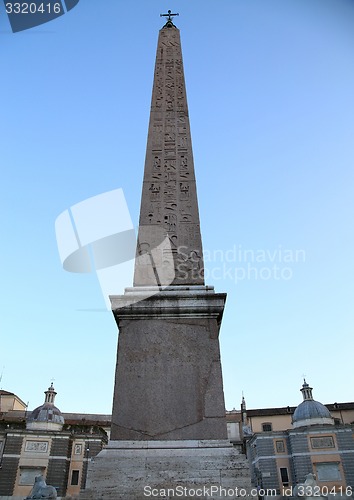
{"x": 169, "y": 15}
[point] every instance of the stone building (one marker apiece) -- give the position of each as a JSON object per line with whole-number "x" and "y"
{"x": 286, "y": 444}
{"x": 46, "y": 442}
{"x": 10, "y": 402}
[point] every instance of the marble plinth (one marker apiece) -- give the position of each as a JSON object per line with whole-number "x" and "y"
{"x": 137, "y": 470}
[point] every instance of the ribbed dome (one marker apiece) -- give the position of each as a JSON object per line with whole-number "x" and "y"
{"x": 310, "y": 409}
{"x": 310, "y": 412}
{"x": 46, "y": 413}
{"x": 47, "y": 416}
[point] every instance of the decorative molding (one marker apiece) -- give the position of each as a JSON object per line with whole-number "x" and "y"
{"x": 322, "y": 442}
{"x": 37, "y": 446}
{"x": 78, "y": 449}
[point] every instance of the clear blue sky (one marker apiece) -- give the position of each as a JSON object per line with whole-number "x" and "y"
{"x": 270, "y": 87}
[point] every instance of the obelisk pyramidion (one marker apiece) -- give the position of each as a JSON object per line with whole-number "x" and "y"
{"x": 168, "y": 421}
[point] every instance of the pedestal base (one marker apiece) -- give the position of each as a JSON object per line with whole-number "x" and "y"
{"x": 137, "y": 470}
{"x": 168, "y": 382}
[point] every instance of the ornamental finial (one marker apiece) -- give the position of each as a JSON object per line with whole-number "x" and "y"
{"x": 169, "y": 18}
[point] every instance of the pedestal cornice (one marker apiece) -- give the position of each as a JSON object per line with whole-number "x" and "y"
{"x": 171, "y": 302}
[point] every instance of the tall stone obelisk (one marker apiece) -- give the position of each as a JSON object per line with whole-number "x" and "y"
{"x": 168, "y": 377}
{"x": 168, "y": 421}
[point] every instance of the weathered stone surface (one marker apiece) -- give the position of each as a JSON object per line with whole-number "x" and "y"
{"x": 168, "y": 376}
{"x": 150, "y": 302}
{"x": 163, "y": 465}
{"x": 169, "y": 243}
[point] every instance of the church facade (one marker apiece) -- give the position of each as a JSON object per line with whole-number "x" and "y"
{"x": 46, "y": 442}
{"x": 311, "y": 440}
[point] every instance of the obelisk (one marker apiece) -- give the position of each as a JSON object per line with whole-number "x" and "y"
{"x": 168, "y": 422}
{"x": 168, "y": 377}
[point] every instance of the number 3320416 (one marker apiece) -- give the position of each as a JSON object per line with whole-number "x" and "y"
{"x": 33, "y": 8}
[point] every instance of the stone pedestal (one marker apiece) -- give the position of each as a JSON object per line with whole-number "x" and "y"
{"x": 168, "y": 377}
{"x": 131, "y": 470}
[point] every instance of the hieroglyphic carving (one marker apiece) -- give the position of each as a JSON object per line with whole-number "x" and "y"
{"x": 156, "y": 169}
{"x": 169, "y": 165}
{"x": 184, "y": 191}
{"x": 170, "y": 134}
{"x": 169, "y": 195}
{"x": 170, "y": 222}
{"x": 183, "y": 167}
{"x": 170, "y": 152}
{"x": 155, "y": 192}
{"x": 182, "y": 142}
{"x": 186, "y": 214}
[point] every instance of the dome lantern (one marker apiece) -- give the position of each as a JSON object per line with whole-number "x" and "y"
{"x": 46, "y": 417}
{"x": 310, "y": 412}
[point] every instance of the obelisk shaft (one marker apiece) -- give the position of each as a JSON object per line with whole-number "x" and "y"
{"x": 169, "y": 250}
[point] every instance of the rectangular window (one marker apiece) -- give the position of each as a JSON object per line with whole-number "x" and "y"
{"x": 28, "y": 475}
{"x": 284, "y": 476}
{"x": 328, "y": 471}
{"x": 267, "y": 427}
{"x": 280, "y": 446}
{"x": 75, "y": 477}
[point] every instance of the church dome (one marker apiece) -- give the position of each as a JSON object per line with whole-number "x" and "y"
{"x": 310, "y": 412}
{"x": 47, "y": 416}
